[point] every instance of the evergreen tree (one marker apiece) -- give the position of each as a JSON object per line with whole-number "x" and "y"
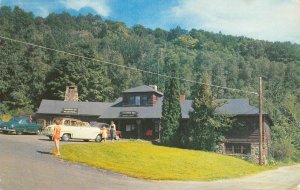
{"x": 205, "y": 127}
{"x": 171, "y": 111}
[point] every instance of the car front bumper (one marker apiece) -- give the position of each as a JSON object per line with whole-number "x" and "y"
{"x": 5, "y": 129}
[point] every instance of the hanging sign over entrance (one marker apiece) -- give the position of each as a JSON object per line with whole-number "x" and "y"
{"x": 128, "y": 114}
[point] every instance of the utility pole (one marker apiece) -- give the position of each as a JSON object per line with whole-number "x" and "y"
{"x": 160, "y": 60}
{"x": 160, "y": 52}
{"x": 260, "y": 124}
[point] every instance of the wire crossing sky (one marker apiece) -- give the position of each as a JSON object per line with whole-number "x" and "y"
{"x": 123, "y": 66}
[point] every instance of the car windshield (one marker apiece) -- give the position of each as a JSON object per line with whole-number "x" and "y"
{"x": 85, "y": 124}
{"x": 16, "y": 119}
{"x": 93, "y": 124}
{"x": 100, "y": 125}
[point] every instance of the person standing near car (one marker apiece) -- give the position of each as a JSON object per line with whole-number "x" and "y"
{"x": 112, "y": 130}
{"x": 56, "y": 136}
{"x": 104, "y": 134}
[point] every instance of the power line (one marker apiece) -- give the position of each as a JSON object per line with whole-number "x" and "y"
{"x": 127, "y": 67}
{"x": 278, "y": 110}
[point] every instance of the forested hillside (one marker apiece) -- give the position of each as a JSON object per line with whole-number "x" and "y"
{"x": 29, "y": 74}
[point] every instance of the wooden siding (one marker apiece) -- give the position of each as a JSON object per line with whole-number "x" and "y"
{"x": 249, "y": 132}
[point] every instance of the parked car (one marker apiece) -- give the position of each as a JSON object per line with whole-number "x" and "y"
{"x": 74, "y": 129}
{"x": 20, "y": 125}
{"x": 1, "y": 122}
{"x": 98, "y": 124}
{"x": 101, "y": 125}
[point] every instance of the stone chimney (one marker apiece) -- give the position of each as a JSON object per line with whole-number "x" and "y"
{"x": 154, "y": 87}
{"x": 182, "y": 97}
{"x": 71, "y": 93}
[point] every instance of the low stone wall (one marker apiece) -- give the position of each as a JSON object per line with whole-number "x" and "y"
{"x": 220, "y": 149}
{"x": 255, "y": 153}
{"x": 253, "y": 156}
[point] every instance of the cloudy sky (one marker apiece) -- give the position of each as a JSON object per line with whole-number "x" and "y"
{"x": 273, "y": 20}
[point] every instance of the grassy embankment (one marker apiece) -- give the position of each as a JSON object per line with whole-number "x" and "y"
{"x": 147, "y": 161}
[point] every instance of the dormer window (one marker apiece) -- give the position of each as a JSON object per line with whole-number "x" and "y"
{"x": 144, "y": 100}
{"x": 137, "y": 100}
{"x": 141, "y": 96}
{"x": 131, "y": 100}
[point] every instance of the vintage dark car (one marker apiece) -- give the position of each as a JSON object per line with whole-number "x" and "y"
{"x": 1, "y": 122}
{"x": 20, "y": 125}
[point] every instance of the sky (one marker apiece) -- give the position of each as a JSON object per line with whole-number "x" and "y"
{"x": 272, "y": 20}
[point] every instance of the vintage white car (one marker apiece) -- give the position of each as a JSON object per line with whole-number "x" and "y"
{"x": 74, "y": 129}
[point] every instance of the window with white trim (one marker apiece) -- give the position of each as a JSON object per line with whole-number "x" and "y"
{"x": 237, "y": 148}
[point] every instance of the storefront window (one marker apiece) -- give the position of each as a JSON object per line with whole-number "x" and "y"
{"x": 130, "y": 127}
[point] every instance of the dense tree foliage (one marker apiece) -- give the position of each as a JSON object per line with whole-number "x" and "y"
{"x": 202, "y": 134}
{"x": 171, "y": 112}
{"x": 28, "y": 74}
{"x": 205, "y": 127}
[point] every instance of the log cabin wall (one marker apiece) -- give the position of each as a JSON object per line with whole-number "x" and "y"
{"x": 246, "y": 130}
{"x": 243, "y": 137}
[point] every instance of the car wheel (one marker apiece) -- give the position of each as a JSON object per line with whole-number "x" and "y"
{"x": 38, "y": 132}
{"x": 19, "y": 132}
{"x": 50, "y": 138}
{"x": 65, "y": 137}
{"x": 98, "y": 138}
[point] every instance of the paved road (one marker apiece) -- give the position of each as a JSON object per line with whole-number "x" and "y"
{"x": 25, "y": 163}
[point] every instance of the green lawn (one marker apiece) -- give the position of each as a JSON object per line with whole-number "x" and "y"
{"x": 144, "y": 160}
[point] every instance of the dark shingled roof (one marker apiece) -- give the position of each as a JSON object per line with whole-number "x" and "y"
{"x": 186, "y": 108}
{"x": 226, "y": 106}
{"x": 236, "y": 107}
{"x": 144, "y": 112}
{"x": 112, "y": 110}
{"x": 84, "y": 108}
{"x": 143, "y": 88}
